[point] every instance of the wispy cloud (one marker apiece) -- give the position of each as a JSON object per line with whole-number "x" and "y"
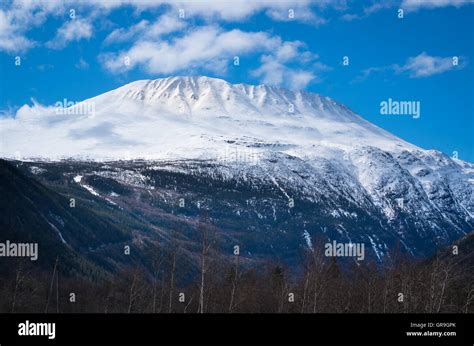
{"x": 372, "y": 71}
{"x": 278, "y": 68}
{"x": 72, "y": 30}
{"x": 424, "y": 65}
{"x": 145, "y": 29}
{"x": 419, "y": 4}
{"x": 368, "y": 10}
{"x": 82, "y": 64}
{"x": 17, "y": 18}
{"x": 408, "y": 5}
{"x": 420, "y": 66}
{"x": 240, "y": 10}
{"x": 12, "y": 39}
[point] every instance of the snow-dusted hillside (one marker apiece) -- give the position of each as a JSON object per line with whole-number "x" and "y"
{"x": 353, "y": 180}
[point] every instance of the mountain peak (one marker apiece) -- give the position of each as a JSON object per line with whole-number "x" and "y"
{"x": 198, "y": 116}
{"x": 192, "y": 95}
{"x": 175, "y": 81}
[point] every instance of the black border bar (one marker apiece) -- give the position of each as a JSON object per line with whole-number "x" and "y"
{"x": 233, "y": 329}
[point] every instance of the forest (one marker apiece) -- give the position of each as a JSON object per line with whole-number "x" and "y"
{"x": 443, "y": 283}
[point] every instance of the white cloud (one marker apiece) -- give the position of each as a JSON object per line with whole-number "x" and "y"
{"x": 20, "y": 16}
{"x": 144, "y": 29}
{"x": 283, "y": 66}
{"x": 209, "y": 48}
{"x": 72, "y": 30}
{"x": 424, "y": 65}
{"x": 371, "y": 71}
{"x": 299, "y": 79}
{"x": 36, "y": 110}
{"x": 409, "y": 5}
{"x": 82, "y": 64}
{"x": 374, "y": 7}
{"x": 418, "y": 4}
{"x": 126, "y": 34}
{"x": 235, "y": 10}
{"x": 239, "y": 10}
{"x": 12, "y": 39}
{"x": 348, "y": 17}
{"x": 166, "y": 24}
{"x": 420, "y": 66}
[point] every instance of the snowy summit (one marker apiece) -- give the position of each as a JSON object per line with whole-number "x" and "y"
{"x": 188, "y": 117}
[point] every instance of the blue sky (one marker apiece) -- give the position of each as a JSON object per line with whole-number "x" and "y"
{"x": 78, "y": 49}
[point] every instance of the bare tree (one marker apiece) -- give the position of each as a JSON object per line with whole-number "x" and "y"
{"x": 172, "y": 279}
{"x": 51, "y": 285}
{"x": 469, "y": 298}
{"x": 234, "y": 281}
{"x": 133, "y": 292}
{"x": 206, "y": 232}
{"x": 19, "y": 277}
{"x": 174, "y": 250}
{"x": 157, "y": 262}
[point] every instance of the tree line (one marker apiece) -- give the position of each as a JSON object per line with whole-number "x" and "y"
{"x": 443, "y": 283}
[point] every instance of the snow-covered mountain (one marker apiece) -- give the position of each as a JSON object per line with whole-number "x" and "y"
{"x": 189, "y": 117}
{"x": 348, "y": 179}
